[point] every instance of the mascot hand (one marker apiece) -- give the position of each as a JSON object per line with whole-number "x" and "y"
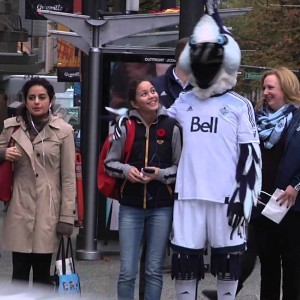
{"x": 247, "y": 187}
{"x": 248, "y": 178}
{"x": 120, "y": 121}
{"x": 121, "y": 117}
{"x": 235, "y": 214}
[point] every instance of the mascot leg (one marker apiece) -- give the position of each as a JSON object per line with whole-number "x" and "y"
{"x": 187, "y": 269}
{"x": 226, "y": 288}
{"x": 227, "y": 269}
{"x": 186, "y": 289}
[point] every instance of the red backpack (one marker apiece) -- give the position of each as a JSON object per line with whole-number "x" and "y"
{"x": 107, "y": 185}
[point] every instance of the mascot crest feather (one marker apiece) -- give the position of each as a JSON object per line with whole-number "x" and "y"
{"x": 211, "y": 58}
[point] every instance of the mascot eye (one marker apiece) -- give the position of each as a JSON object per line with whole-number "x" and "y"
{"x": 192, "y": 41}
{"x": 222, "y": 39}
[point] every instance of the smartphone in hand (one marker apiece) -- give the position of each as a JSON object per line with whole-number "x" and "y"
{"x": 149, "y": 171}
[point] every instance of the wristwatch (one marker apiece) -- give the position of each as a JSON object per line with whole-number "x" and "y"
{"x": 297, "y": 187}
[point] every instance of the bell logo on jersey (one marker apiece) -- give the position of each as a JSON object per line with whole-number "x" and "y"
{"x": 211, "y": 126}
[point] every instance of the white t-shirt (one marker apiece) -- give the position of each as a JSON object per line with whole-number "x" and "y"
{"x": 212, "y": 131}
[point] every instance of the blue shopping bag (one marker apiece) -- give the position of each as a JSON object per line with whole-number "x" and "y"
{"x": 69, "y": 284}
{"x": 65, "y": 279}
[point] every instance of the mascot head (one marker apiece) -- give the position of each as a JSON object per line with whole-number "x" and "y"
{"x": 211, "y": 58}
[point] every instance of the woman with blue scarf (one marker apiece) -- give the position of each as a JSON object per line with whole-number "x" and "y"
{"x": 278, "y": 123}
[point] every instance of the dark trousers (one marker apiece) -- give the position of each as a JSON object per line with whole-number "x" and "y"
{"x": 279, "y": 252}
{"x": 40, "y": 264}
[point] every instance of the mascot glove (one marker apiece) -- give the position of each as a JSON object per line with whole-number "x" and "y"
{"x": 120, "y": 121}
{"x": 235, "y": 214}
{"x": 121, "y": 117}
{"x": 64, "y": 228}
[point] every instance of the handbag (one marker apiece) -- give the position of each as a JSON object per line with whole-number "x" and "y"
{"x": 65, "y": 279}
{"x": 6, "y": 175}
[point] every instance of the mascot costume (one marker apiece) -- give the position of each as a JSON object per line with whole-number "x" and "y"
{"x": 219, "y": 173}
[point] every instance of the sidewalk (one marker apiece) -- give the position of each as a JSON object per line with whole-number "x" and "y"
{"x": 99, "y": 278}
{"x": 106, "y": 275}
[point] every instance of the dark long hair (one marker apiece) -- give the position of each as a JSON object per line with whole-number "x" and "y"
{"x": 22, "y": 110}
{"x": 131, "y": 96}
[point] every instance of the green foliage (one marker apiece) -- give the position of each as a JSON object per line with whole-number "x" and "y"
{"x": 146, "y": 5}
{"x": 269, "y": 36}
{"x": 272, "y": 33}
{"x": 235, "y": 3}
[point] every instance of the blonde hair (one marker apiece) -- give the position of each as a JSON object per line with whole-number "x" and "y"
{"x": 289, "y": 84}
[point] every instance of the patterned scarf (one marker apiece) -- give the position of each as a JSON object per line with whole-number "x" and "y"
{"x": 271, "y": 125}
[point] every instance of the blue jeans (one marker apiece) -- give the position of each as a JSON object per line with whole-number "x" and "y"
{"x": 157, "y": 226}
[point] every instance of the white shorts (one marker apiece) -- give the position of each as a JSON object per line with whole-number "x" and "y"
{"x": 196, "y": 222}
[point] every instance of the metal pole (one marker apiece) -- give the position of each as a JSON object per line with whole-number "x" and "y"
{"x": 90, "y": 133}
{"x": 89, "y": 251}
{"x": 190, "y": 13}
{"x": 84, "y": 68}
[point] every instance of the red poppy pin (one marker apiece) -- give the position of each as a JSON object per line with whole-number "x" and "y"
{"x": 161, "y": 132}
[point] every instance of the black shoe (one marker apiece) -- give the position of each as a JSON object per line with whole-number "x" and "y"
{"x": 210, "y": 294}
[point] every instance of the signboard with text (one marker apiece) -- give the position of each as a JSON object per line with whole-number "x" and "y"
{"x": 68, "y": 60}
{"x": 32, "y": 6}
{"x": 253, "y": 76}
{"x": 68, "y": 74}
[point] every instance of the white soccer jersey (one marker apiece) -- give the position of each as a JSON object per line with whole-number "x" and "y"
{"x": 212, "y": 131}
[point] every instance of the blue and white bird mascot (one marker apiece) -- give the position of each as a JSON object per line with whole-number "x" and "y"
{"x": 219, "y": 173}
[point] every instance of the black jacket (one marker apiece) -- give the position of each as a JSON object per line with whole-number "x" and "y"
{"x": 289, "y": 166}
{"x": 168, "y": 88}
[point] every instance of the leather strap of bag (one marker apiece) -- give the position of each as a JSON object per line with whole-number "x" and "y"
{"x": 63, "y": 255}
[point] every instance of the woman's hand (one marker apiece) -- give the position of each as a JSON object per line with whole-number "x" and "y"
{"x": 134, "y": 175}
{"x": 288, "y": 198}
{"x": 13, "y": 154}
{"x": 149, "y": 176}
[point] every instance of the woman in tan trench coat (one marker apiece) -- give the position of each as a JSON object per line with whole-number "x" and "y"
{"x": 43, "y": 199}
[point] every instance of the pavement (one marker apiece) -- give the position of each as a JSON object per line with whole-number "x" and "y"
{"x": 99, "y": 278}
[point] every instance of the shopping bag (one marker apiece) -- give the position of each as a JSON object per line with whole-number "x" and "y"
{"x": 69, "y": 284}
{"x": 273, "y": 210}
{"x": 65, "y": 279}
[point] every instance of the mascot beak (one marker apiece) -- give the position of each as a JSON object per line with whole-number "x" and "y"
{"x": 206, "y": 60}
{"x": 211, "y": 58}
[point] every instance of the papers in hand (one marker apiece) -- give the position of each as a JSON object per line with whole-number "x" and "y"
{"x": 69, "y": 266}
{"x": 273, "y": 210}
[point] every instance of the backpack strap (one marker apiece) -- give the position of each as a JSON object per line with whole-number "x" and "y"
{"x": 130, "y": 126}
